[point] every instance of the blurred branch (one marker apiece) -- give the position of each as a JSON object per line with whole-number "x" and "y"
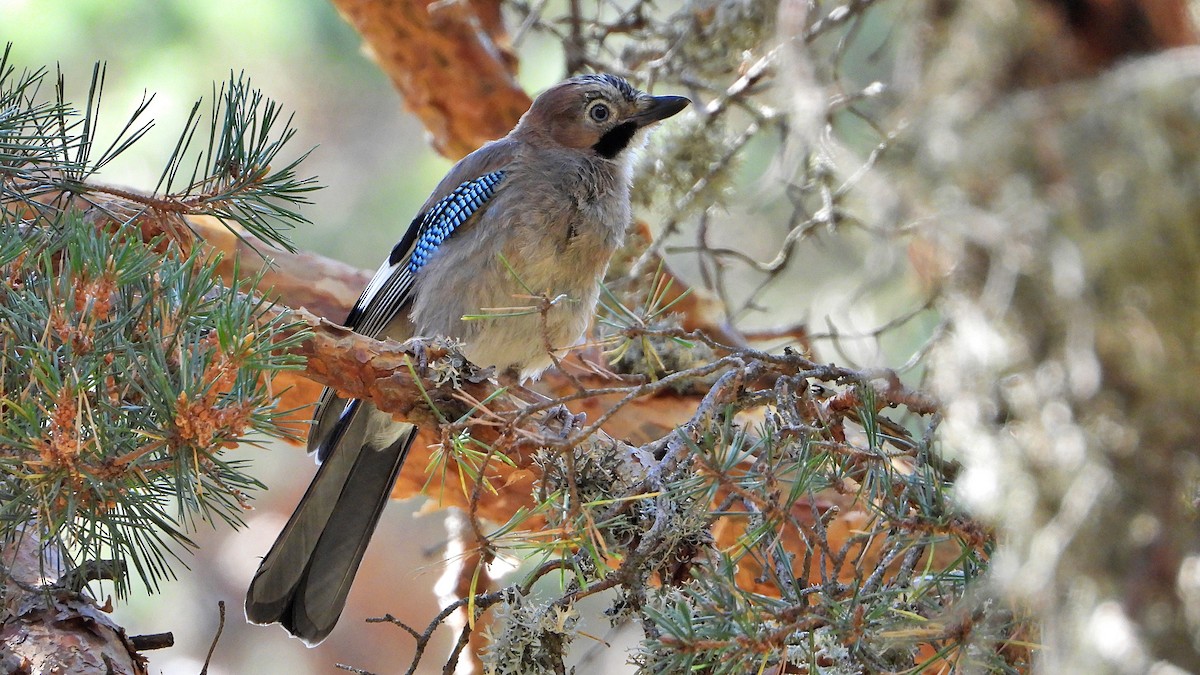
{"x": 1093, "y": 35}
{"x": 326, "y": 287}
{"x": 451, "y": 61}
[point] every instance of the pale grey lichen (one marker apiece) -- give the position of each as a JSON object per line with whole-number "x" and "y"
{"x": 686, "y": 166}
{"x": 713, "y": 36}
{"x": 529, "y": 638}
{"x": 823, "y": 651}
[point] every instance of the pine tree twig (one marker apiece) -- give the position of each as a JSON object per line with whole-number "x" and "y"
{"x": 93, "y": 570}
{"x": 481, "y": 603}
{"x": 388, "y": 618}
{"x": 288, "y": 278}
{"x": 212, "y": 647}
{"x": 152, "y": 641}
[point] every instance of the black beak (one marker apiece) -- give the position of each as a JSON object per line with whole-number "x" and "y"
{"x": 659, "y": 108}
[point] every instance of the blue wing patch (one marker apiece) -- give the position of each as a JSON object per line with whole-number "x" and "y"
{"x": 388, "y": 293}
{"x": 452, "y": 211}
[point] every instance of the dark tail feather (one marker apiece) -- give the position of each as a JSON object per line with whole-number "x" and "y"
{"x": 303, "y": 581}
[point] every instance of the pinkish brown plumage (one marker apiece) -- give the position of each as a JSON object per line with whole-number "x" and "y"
{"x": 550, "y": 201}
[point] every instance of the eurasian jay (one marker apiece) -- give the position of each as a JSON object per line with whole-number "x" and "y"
{"x": 543, "y": 208}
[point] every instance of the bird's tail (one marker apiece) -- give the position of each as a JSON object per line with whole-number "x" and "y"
{"x": 303, "y": 581}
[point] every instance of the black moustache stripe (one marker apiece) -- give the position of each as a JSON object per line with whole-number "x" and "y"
{"x": 615, "y": 140}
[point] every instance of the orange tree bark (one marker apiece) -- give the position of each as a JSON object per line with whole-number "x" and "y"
{"x": 450, "y": 60}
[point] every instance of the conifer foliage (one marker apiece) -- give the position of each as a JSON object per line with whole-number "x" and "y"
{"x": 128, "y": 366}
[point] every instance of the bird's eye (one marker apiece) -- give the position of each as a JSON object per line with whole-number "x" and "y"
{"x": 599, "y": 112}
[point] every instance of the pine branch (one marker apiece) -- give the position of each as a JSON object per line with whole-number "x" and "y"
{"x": 125, "y": 372}
{"x": 128, "y": 364}
{"x": 48, "y": 160}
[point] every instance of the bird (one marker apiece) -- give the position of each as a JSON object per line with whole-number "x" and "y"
{"x": 542, "y": 209}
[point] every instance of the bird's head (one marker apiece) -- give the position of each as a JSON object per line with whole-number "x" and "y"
{"x": 601, "y": 114}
